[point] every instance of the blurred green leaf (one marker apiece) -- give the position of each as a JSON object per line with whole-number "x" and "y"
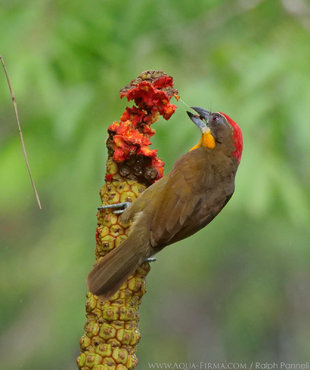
{"x": 237, "y": 290}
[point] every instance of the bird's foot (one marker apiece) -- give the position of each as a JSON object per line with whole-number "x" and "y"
{"x": 120, "y": 207}
{"x": 151, "y": 259}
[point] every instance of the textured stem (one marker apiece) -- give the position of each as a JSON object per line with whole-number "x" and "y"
{"x": 111, "y": 331}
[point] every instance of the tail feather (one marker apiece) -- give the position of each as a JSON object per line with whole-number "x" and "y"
{"x": 114, "y": 268}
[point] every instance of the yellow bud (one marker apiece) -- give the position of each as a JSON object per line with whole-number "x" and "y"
{"x": 93, "y": 359}
{"x": 110, "y": 313}
{"x": 81, "y": 359}
{"x": 113, "y": 197}
{"x": 121, "y": 367}
{"x": 120, "y": 355}
{"x": 114, "y": 342}
{"x": 112, "y": 167}
{"x": 85, "y": 341}
{"x": 101, "y": 367}
{"x": 109, "y": 219}
{"x": 120, "y": 239}
{"x": 122, "y": 187}
{"x": 104, "y": 350}
{"x": 91, "y": 302}
{"x": 91, "y": 328}
{"x": 116, "y": 230}
{"x": 136, "y": 336}
{"x": 128, "y": 196}
{"x": 103, "y": 231}
{"x": 109, "y": 363}
{"x": 107, "y": 331}
{"x": 124, "y": 336}
{"x": 107, "y": 243}
{"x": 135, "y": 284}
{"x": 137, "y": 189}
{"x": 127, "y": 314}
{"x": 132, "y": 361}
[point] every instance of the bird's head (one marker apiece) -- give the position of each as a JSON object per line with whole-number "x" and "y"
{"x": 218, "y": 131}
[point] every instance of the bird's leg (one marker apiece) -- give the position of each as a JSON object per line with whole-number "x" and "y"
{"x": 151, "y": 259}
{"x": 122, "y": 206}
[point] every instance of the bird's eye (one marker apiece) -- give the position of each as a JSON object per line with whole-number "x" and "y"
{"x": 215, "y": 118}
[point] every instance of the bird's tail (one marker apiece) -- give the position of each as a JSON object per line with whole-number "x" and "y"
{"x": 114, "y": 268}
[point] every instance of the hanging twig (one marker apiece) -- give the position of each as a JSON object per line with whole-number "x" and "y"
{"x": 20, "y": 133}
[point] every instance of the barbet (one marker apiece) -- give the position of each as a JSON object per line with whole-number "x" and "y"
{"x": 179, "y": 204}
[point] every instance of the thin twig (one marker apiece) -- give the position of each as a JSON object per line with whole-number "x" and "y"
{"x": 20, "y": 133}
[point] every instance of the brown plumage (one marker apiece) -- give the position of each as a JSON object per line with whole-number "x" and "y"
{"x": 178, "y": 205}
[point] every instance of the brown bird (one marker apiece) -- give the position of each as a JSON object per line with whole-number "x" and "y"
{"x": 182, "y": 202}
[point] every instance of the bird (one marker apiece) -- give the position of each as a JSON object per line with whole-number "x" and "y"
{"x": 178, "y": 205}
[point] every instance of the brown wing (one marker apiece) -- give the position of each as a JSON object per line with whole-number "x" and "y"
{"x": 147, "y": 202}
{"x": 192, "y": 197}
{"x": 185, "y": 200}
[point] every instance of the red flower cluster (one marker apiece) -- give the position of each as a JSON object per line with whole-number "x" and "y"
{"x": 131, "y": 135}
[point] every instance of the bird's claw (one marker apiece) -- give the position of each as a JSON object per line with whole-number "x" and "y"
{"x": 151, "y": 259}
{"x": 122, "y": 206}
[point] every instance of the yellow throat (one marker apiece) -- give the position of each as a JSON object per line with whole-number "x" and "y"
{"x": 206, "y": 141}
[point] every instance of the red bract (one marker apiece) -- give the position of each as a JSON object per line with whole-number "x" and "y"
{"x": 145, "y": 150}
{"x": 109, "y": 177}
{"x": 150, "y": 96}
{"x": 163, "y": 82}
{"x": 148, "y": 130}
{"x": 159, "y": 165}
{"x": 131, "y": 134}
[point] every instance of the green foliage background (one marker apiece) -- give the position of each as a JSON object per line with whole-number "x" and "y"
{"x": 236, "y": 291}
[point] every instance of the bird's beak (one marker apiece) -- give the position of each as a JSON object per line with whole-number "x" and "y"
{"x": 198, "y": 120}
{"x": 203, "y": 113}
{"x": 207, "y": 140}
